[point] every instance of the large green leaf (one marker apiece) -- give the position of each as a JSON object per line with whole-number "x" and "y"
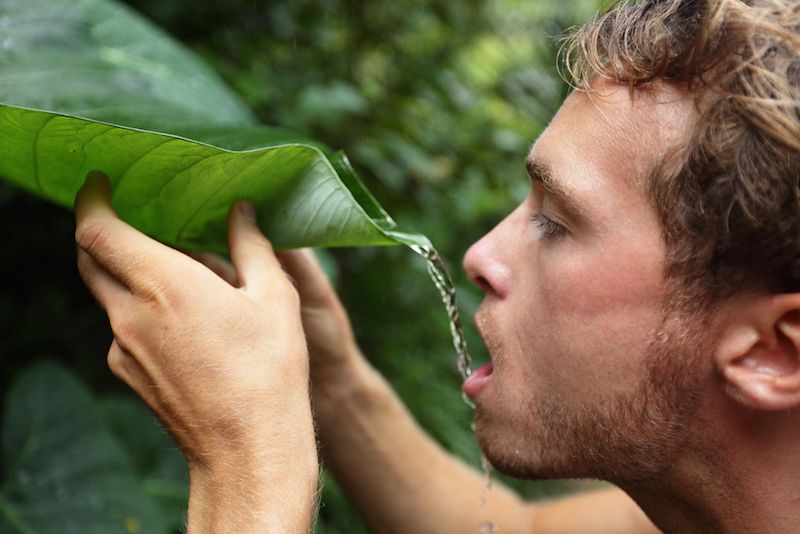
{"x": 89, "y": 85}
{"x": 63, "y": 472}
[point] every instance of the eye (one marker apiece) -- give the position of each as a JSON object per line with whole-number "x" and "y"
{"x": 547, "y": 227}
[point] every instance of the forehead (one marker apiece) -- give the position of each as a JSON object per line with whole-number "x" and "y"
{"x": 607, "y": 142}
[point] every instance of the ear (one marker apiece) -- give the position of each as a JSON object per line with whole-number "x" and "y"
{"x": 759, "y": 352}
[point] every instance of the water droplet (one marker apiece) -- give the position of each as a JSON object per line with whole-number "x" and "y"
{"x": 488, "y": 526}
{"x": 486, "y": 468}
{"x": 469, "y": 403}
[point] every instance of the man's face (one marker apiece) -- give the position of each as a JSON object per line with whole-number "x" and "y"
{"x": 591, "y": 376}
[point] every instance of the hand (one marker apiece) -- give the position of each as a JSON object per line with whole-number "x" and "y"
{"x": 331, "y": 344}
{"x": 224, "y": 368}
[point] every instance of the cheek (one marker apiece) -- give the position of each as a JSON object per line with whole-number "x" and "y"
{"x": 588, "y": 285}
{"x": 596, "y": 313}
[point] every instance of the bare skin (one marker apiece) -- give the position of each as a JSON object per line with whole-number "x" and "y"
{"x": 694, "y": 419}
{"x": 374, "y": 447}
{"x": 598, "y": 303}
{"x": 225, "y": 368}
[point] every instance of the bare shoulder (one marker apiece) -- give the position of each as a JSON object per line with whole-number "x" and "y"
{"x": 606, "y": 511}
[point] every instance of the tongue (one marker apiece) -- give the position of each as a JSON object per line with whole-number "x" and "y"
{"x": 476, "y": 381}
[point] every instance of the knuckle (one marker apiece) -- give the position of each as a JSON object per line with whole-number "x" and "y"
{"x": 91, "y": 235}
{"x": 161, "y": 292}
{"x": 116, "y": 362}
{"x": 174, "y": 300}
{"x": 287, "y": 293}
{"x": 124, "y": 331}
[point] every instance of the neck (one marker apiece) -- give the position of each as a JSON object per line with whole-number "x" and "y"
{"x": 739, "y": 476}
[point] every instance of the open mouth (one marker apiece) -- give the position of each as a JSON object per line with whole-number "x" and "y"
{"x": 477, "y": 381}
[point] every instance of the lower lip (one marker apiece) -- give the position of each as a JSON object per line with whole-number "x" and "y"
{"x": 477, "y": 381}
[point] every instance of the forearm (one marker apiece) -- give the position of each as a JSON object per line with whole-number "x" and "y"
{"x": 606, "y": 511}
{"x": 399, "y": 478}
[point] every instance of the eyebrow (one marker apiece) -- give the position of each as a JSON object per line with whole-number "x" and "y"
{"x": 541, "y": 172}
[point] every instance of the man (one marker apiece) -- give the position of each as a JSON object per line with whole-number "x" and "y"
{"x": 642, "y": 314}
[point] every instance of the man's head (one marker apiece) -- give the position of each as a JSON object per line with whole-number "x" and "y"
{"x": 654, "y": 265}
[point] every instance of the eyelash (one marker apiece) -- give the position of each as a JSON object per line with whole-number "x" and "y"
{"x": 546, "y": 226}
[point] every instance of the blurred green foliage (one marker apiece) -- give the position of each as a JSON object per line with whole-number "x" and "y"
{"x": 436, "y": 102}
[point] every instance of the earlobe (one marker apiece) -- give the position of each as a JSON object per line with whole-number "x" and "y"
{"x": 759, "y": 390}
{"x": 759, "y": 354}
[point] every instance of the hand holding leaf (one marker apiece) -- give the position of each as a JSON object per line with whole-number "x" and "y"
{"x": 225, "y": 368}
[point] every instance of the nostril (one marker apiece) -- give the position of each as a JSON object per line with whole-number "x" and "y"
{"x": 474, "y": 267}
{"x": 482, "y": 283}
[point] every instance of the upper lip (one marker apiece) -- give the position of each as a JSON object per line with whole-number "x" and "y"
{"x": 478, "y": 319}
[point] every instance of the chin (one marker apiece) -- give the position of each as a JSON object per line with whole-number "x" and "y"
{"x": 502, "y": 442}
{"x": 517, "y": 461}
{"x": 526, "y": 448}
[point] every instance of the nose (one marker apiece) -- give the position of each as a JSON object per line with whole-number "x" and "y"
{"x": 486, "y": 265}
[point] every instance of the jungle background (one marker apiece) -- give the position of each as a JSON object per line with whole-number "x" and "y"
{"x": 435, "y": 102}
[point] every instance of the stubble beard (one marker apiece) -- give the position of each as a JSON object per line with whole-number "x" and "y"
{"x": 633, "y": 437}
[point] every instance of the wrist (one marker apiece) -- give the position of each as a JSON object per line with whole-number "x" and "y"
{"x": 254, "y": 494}
{"x": 345, "y": 400}
{"x": 259, "y": 479}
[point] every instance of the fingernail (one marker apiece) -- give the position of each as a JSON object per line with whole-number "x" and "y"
{"x": 98, "y": 179}
{"x": 247, "y": 209}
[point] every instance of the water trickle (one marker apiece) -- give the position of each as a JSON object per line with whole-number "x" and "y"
{"x": 447, "y": 290}
{"x": 487, "y": 527}
{"x": 486, "y": 467}
{"x": 444, "y": 283}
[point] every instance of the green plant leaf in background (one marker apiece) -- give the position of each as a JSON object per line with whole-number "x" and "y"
{"x": 89, "y": 85}
{"x": 156, "y": 458}
{"x": 63, "y": 471}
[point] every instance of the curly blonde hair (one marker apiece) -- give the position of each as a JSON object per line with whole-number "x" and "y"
{"x": 729, "y": 202}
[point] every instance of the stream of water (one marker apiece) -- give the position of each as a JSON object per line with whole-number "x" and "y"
{"x": 447, "y": 290}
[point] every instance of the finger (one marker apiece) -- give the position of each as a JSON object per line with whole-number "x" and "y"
{"x": 217, "y": 264}
{"x": 126, "y": 368}
{"x": 122, "y": 250}
{"x": 256, "y": 266}
{"x": 111, "y": 294}
{"x": 309, "y": 277}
